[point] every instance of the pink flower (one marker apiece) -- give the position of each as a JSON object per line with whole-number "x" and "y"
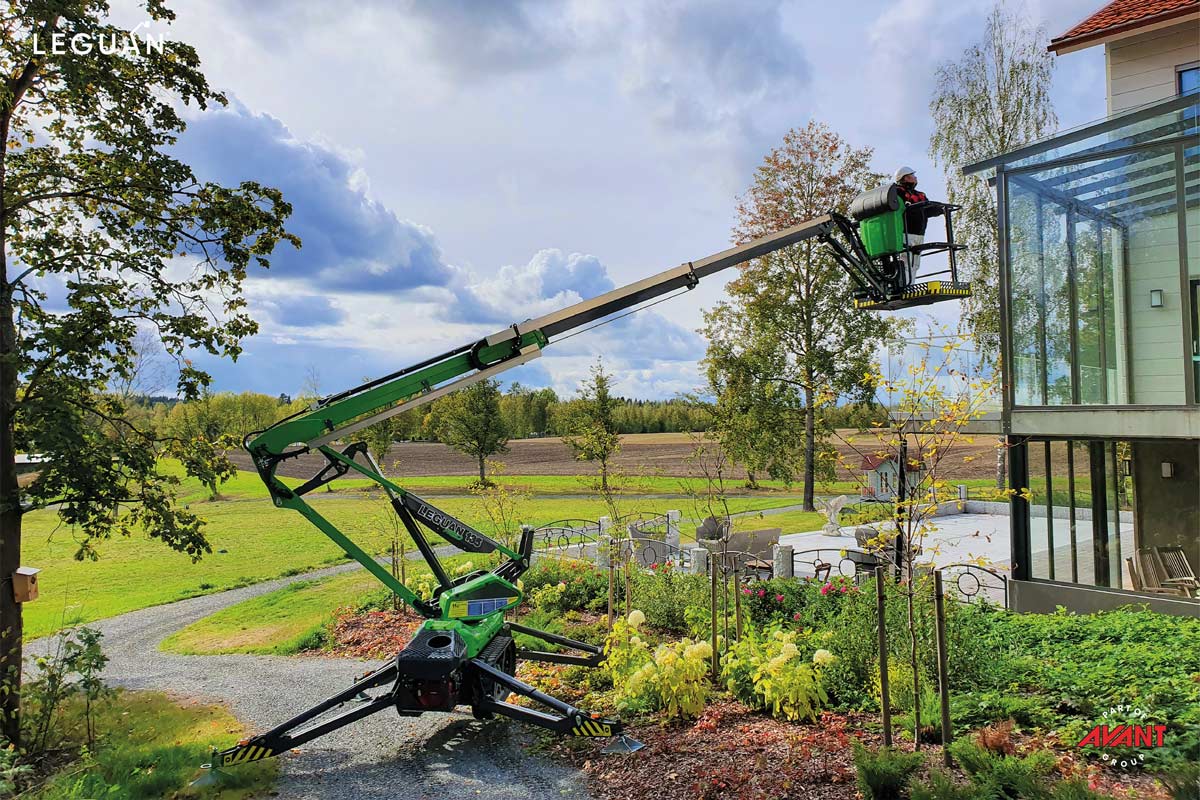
{"x": 654, "y": 565}
{"x": 778, "y": 598}
{"x": 825, "y": 589}
{"x": 796, "y": 616}
{"x": 762, "y": 592}
{"x": 746, "y": 590}
{"x": 844, "y": 590}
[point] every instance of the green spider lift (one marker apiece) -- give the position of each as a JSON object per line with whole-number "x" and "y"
{"x": 464, "y": 653}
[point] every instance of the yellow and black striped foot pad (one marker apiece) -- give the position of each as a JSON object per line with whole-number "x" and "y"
{"x": 590, "y": 727}
{"x": 918, "y": 294}
{"x": 244, "y": 755}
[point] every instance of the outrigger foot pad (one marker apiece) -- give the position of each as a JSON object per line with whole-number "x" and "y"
{"x": 210, "y": 777}
{"x": 623, "y": 744}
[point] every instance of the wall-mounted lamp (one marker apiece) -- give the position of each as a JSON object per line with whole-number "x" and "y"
{"x": 1156, "y": 298}
{"x": 1168, "y": 469}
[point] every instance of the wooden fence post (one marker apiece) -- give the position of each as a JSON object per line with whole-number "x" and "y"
{"x": 712, "y": 601}
{"x": 939, "y": 614}
{"x": 885, "y": 700}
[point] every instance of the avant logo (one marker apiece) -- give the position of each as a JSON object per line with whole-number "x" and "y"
{"x": 1128, "y": 729}
{"x": 132, "y": 43}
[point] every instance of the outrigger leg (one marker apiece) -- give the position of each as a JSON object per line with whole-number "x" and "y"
{"x": 483, "y": 683}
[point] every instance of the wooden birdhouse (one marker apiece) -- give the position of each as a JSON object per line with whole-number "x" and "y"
{"x": 25, "y": 584}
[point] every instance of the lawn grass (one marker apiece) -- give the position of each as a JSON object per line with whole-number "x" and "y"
{"x": 150, "y": 747}
{"x": 292, "y": 618}
{"x": 252, "y": 541}
{"x": 282, "y": 622}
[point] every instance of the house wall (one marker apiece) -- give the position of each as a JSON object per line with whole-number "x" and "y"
{"x": 1156, "y": 334}
{"x": 1167, "y": 510}
{"x": 1141, "y": 68}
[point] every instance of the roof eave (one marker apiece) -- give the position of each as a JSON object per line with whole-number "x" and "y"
{"x": 1062, "y": 46}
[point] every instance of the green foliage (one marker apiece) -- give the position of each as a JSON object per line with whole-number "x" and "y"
{"x": 93, "y": 194}
{"x": 783, "y": 333}
{"x": 149, "y": 748}
{"x": 1073, "y": 789}
{"x": 1078, "y": 666}
{"x": 769, "y": 670}
{"x": 590, "y": 427}
{"x": 883, "y": 774}
{"x": 940, "y": 786}
{"x": 470, "y": 422}
{"x": 1004, "y": 776}
{"x": 993, "y": 99}
{"x": 672, "y": 680}
{"x": 72, "y": 669}
{"x": 666, "y": 594}
{"x": 1181, "y": 778}
{"x": 584, "y": 587}
{"x": 12, "y": 773}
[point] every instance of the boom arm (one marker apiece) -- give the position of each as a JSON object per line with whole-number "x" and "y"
{"x": 341, "y": 414}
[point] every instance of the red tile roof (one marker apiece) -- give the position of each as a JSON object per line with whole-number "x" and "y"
{"x": 1120, "y": 16}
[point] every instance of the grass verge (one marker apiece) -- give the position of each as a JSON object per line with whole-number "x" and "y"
{"x": 290, "y": 619}
{"x": 151, "y": 747}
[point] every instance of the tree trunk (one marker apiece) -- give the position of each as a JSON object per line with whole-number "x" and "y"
{"x": 11, "y": 623}
{"x": 1001, "y": 464}
{"x": 810, "y": 448}
{"x": 482, "y": 472}
{"x": 10, "y": 526}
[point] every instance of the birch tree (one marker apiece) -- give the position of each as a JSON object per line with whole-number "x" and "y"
{"x": 993, "y": 99}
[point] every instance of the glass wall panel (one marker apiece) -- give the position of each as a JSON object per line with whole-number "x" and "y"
{"x": 1056, "y": 314}
{"x": 1025, "y": 267}
{"x": 1093, "y": 291}
{"x": 1041, "y": 526}
{"x": 1092, "y": 248}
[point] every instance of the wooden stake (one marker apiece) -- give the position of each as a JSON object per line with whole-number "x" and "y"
{"x": 939, "y": 617}
{"x": 712, "y": 602}
{"x": 885, "y": 700}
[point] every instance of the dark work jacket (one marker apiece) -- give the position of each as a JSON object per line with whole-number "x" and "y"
{"x": 917, "y": 209}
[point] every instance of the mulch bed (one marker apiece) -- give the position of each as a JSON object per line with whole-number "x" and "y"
{"x": 731, "y": 751}
{"x": 374, "y": 634}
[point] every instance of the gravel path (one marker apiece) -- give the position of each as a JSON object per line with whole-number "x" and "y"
{"x": 383, "y": 756}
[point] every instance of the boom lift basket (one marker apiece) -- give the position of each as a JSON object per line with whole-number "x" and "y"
{"x": 876, "y": 253}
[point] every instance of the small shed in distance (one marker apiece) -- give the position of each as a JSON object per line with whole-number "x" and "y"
{"x": 882, "y": 474}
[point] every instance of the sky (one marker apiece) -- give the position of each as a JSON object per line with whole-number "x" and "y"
{"x": 458, "y": 166}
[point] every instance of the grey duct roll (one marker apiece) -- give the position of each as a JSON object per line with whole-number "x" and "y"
{"x": 875, "y": 201}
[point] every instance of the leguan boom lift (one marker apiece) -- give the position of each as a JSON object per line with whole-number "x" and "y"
{"x": 464, "y": 653}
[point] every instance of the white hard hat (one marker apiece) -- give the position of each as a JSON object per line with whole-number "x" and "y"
{"x": 900, "y": 173}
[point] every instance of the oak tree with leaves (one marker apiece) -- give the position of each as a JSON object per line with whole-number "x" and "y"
{"x": 790, "y": 329}
{"x": 104, "y": 234}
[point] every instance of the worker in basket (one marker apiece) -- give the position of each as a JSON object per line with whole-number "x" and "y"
{"x": 917, "y": 211}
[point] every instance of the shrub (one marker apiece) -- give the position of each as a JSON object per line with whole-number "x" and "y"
{"x": 672, "y": 679}
{"x": 1004, "y": 776}
{"x": 883, "y": 774}
{"x": 665, "y": 595}
{"x": 585, "y": 588}
{"x": 1074, "y": 789}
{"x": 941, "y": 787}
{"x": 769, "y": 670}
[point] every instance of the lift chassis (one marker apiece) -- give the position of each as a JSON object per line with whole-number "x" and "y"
{"x": 464, "y": 654}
